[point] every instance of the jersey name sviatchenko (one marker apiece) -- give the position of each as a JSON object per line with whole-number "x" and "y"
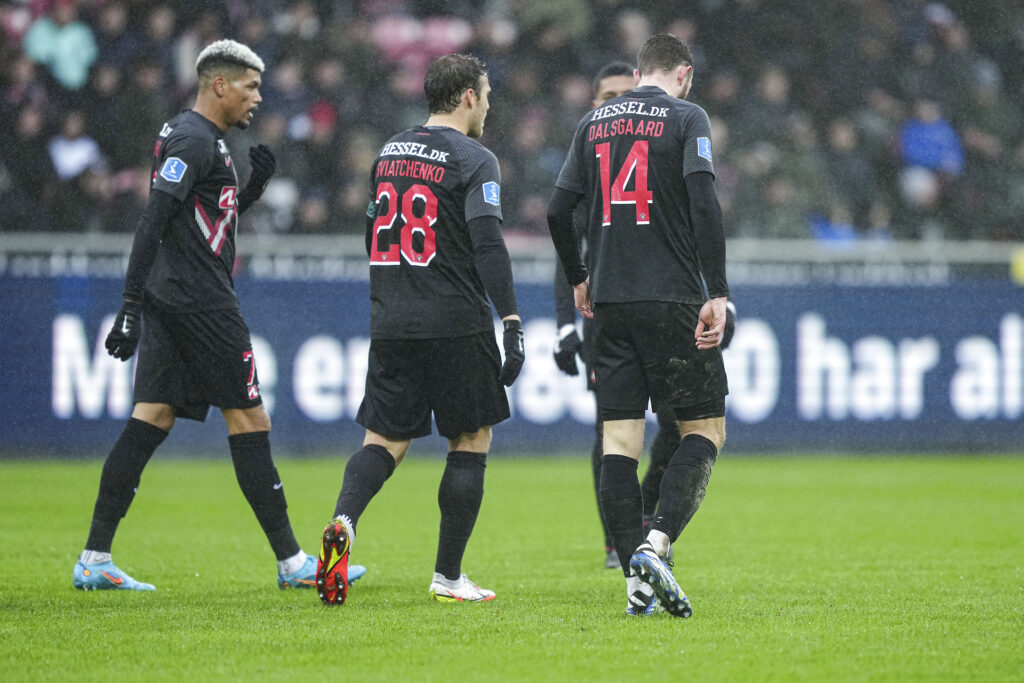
{"x": 427, "y": 184}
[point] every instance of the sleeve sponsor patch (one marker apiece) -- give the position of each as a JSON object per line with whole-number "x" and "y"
{"x": 173, "y": 169}
{"x": 704, "y": 148}
{"x": 492, "y": 193}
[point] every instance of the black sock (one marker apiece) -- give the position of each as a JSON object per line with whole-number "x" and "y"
{"x": 365, "y": 474}
{"x": 261, "y": 485}
{"x": 684, "y": 484}
{"x": 120, "y": 479}
{"x": 665, "y": 444}
{"x": 623, "y": 505}
{"x": 595, "y": 466}
{"x": 459, "y": 497}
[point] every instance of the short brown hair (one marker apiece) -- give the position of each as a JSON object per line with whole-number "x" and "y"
{"x": 450, "y": 76}
{"x": 662, "y": 52}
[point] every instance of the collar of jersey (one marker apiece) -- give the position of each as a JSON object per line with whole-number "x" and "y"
{"x": 648, "y": 90}
{"x": 209, "y": 124}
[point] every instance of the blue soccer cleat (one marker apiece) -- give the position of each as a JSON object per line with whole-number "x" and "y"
{"x": 651, "y": 569}
{"x": 105, "y": 576}
{"x": 305, "y": 577}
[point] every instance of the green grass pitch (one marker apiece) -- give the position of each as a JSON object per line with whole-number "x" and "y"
{"x": 799, "y": 568}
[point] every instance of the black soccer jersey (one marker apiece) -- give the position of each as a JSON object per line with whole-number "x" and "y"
{"x": 192, "y": 269}
{"x": 427, "y": 184}
{"x": 629, "y": 158}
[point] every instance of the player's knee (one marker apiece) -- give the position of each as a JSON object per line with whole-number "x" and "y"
{"x": 257, "y": 420}
{"x": 474, "y": 442}
{"x": 713, "y": 431}
{"x": 397, "y": 448}
{"x": 160, "y": 415}
{"x": 245, "y": 421}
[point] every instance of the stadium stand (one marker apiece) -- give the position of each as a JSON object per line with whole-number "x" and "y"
{"x": 840, "y": 120}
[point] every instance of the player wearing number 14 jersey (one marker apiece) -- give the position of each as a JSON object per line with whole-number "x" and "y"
{"x": 436, "y": 255}
{"x": 643, "y": 164}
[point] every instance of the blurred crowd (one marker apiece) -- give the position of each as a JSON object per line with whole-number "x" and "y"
{"x": 835, "y": 119}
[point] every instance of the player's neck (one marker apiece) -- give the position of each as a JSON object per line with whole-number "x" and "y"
{"x": 453, "y": 120}
{"x": 666, "y": 83}
{"x": 209, "y": 110}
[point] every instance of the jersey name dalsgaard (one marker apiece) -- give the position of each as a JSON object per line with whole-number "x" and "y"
{"x": 193, "y": 267}
{"x": 629, "y": 158}
{"x": 427, "y": 184}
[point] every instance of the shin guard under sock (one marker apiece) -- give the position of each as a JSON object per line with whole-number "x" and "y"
{"x": 623, "y": 505}
{"x": 261, "y": 485}
{"x": 684, "y": 484}
{"x": 120, "y": 480}
{"x": 459, "y": 497}
{"x": 365, "y": 474}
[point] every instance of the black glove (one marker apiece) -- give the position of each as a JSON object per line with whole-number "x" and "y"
{"x": 565, "y": 352}
{"x": 124, "y": 335}
{"x": 263, "y": 166}
{"x": 730, "y": 324}
{"x": 514, "y": 353}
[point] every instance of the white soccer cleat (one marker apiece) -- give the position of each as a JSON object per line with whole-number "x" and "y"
{"x": 459, "y": 590}
{"x": 651, "y": 569}
{"x": 641, "y": 600}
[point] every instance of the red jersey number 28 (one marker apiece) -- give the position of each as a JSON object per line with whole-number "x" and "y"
{"x": 419, "y": 213}
{"x": 635, "y": 166}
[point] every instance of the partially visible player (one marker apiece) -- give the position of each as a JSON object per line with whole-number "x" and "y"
{"x": 433, "y": 235}
{"x": 180, "y": 303}
{"x": 656, "y": 290}
{"x": 613, "y": 80}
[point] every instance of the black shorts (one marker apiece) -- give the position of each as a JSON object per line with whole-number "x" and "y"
{"x": 646, "y": 350}
{"x": 455, "y": 378}
{"x": 194, "y": 359}
{"x": 587, "y": 352}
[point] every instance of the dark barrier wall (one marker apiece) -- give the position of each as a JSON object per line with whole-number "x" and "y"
{"x": 835, "y": 368}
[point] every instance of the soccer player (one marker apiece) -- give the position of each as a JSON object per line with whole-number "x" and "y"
{"x": 643, "y": 164}
{"x": 433, "y": 235}
{"x": 613, "y": 80}
{"x": 180, "y": 307}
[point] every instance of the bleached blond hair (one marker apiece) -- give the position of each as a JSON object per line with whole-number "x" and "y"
{"x": 229, "y": 51}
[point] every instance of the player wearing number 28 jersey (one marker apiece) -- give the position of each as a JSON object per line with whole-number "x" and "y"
{"x": 433, "y": 237}
{"x": 429, "y": 184}
{"x": 642, "y": 163}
